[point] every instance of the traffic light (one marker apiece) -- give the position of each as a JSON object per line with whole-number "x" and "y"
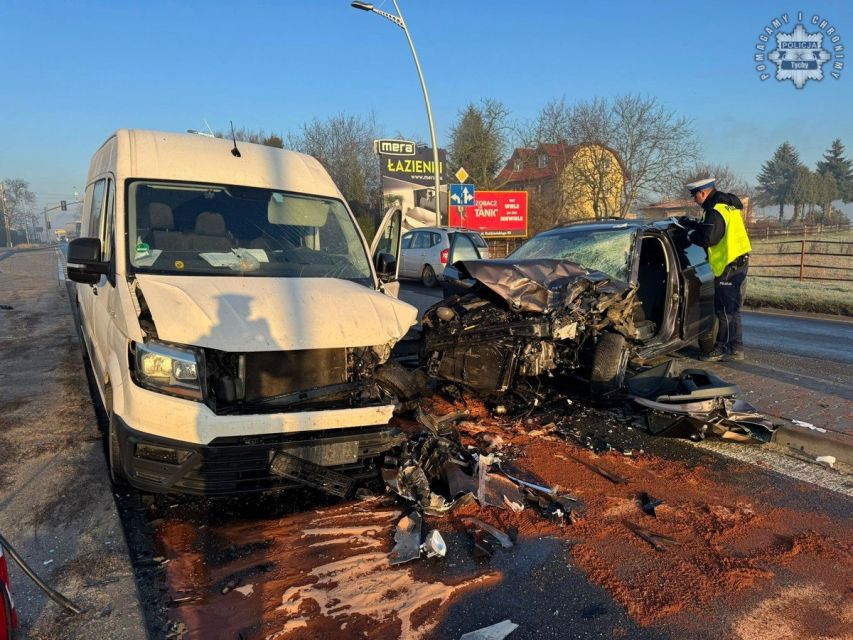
{"x": 63, "y": 205}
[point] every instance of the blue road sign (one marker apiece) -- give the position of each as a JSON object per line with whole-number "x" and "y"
{"x": 462, "y": 195}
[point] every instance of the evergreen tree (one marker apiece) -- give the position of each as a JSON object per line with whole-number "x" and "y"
{"x": 777, "y": 177}
{"x": 835, "y": 164}
{"x": 479, "y": 142}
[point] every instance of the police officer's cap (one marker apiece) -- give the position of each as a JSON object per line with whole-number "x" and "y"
{"x": 699, "y": 185}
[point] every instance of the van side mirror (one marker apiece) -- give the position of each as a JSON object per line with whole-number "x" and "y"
{"x": 386, "y": 266}
{"x": 84, "y": 261}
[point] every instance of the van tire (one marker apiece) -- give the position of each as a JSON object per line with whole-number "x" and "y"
{"x": 609, "y": 363}
{"x": 396, "y": 379}
{"x": 708, "y": 340}
{"x": 428, "y": 277}
{"x": 114, "y": 455}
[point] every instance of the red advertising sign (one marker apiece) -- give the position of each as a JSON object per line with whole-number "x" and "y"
{"x": 494, "y": 214}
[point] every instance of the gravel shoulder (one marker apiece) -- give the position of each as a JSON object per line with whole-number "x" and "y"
{"x": 56, "y": 505}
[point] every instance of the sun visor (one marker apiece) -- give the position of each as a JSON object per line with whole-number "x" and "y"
{"x": 296, "y": 211}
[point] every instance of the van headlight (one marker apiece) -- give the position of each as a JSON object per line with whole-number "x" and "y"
{"x": 169, "y": 369}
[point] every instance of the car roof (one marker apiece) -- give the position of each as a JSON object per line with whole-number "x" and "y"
{"x": 454, "y": 229}
{"x": 609, "y": 224}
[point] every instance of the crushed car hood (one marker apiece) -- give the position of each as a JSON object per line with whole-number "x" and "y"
{"x": 272, "y": 314}
{"x": 535, "y": 285}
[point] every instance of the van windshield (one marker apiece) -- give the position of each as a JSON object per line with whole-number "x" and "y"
{"x": 206, "y": 229}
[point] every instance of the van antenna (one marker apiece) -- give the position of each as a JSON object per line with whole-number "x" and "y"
{"x": 235, "y": 151}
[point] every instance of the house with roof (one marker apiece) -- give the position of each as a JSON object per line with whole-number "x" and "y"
{"x": 570, "y": 181}
{"x": 685, "y": 207}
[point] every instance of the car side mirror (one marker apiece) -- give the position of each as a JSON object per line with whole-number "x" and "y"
{"x": 85, "y": 264}
{"x": 386, "y": 266}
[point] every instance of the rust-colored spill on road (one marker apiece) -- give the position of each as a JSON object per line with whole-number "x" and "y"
{"x": 324, "y": 573}
{"x": 317, "y": 574}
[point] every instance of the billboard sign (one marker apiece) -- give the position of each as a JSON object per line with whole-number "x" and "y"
{"x": 408, "y": 182}
{"x": 494, "y": 214}
{"x": 394, "y": 147}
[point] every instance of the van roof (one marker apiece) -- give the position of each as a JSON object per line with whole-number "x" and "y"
{"x": 195, "y": 158}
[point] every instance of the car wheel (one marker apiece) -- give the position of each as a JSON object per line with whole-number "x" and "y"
{"x": 399, "y": 381}
{"x": 114, "y": 455}
{"x": 428, "y": 277}
{"x": 709, "y": 339}
{"x": 609, "y": 363}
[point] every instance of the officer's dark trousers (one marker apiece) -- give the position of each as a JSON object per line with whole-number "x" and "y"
{"x": 727, "y": 301}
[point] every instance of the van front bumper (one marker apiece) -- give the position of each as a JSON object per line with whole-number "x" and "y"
{"x": 241, "y": 464}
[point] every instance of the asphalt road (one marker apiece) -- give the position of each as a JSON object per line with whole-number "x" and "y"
{"x": 541, "y": 588}
{"x": 798, "y": 335}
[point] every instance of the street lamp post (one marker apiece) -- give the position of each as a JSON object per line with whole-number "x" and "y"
{"x": 6, "y": 226}
{"x": 400, "y": 22}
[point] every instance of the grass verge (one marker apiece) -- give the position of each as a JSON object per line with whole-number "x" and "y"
{"x": 813, "y": 296}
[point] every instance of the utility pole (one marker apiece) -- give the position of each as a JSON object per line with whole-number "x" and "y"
{"x": 5, "y": 215}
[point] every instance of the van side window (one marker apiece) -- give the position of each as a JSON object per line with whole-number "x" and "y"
{"x": 109, "y": 223}
{"x": 97, "y": 207}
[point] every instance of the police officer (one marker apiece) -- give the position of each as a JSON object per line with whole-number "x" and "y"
{"x": 723, "y": 235}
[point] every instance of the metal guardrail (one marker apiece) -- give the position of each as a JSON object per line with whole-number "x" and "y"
{"x": 845, "y": 251}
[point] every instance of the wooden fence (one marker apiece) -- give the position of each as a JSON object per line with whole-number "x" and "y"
{"x": 502, "y": 247}
{"x": 804, "y": 259}
{"x": 758, "y": 231}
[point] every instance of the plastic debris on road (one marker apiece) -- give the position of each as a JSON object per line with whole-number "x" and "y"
{"x": 497, "y": 631}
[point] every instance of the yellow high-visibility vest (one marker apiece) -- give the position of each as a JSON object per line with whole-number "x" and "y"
{"x": 734, "y": 243}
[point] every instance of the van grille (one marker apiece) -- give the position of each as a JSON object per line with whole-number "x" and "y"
{"x": 273, "y": 373}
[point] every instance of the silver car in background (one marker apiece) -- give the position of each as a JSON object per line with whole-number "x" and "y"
{"x": 427, "y": 251}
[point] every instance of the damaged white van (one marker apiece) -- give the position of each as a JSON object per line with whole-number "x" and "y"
{"x": 233, "y": 312}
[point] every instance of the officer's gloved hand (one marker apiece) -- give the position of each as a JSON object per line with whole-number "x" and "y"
{"x": 688, "y": 222}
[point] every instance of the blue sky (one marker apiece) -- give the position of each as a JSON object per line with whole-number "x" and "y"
{"x": 74, "y": 72}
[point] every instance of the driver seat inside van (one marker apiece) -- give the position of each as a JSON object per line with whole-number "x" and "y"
{"x": 210, "y": 233}
{"x": 162, "y": 234}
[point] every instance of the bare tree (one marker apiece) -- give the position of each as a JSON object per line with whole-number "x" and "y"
{"x": 653, "y": 143}
{"x": 19, "y": 203}
{"x": 726, "y": 178}
{"x": 257, "y": 137}
{"x": 344, "y": 145}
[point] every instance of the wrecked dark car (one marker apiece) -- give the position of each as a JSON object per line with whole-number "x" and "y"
{"x": 588, "y": 297}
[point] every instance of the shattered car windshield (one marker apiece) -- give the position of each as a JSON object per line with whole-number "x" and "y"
{"x": 608, "y": 251}
{"x": 207, "y": 229}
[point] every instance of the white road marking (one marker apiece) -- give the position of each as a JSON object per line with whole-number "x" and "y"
{"x": 768, "y": 457}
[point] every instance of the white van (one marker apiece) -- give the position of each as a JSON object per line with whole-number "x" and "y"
{"x": 231, "y": 309}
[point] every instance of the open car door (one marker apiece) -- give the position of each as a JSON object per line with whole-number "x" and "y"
{"x": 385, "y": 250}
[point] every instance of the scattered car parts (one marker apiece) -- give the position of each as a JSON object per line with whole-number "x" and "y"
{"x": 497, "y": 631}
